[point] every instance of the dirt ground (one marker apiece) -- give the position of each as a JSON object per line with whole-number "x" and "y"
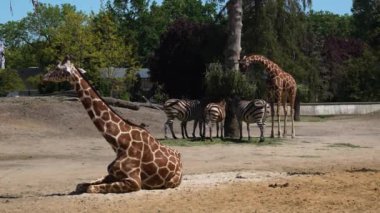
{"x": 48, "y": 145}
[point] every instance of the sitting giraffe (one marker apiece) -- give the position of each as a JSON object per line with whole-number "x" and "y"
{"x": 141, "y": 161}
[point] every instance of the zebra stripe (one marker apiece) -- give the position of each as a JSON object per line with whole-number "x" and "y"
{"x": 255, "y": 111}
{"x": 183, "y": 110}
{"x": 215, "y": 113}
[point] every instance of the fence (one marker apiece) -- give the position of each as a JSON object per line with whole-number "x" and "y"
{"x": 349, "y": 108}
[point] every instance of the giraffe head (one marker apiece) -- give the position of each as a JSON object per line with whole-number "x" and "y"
{"x": 244, "y": 64}
{"x": 64, "y": 71}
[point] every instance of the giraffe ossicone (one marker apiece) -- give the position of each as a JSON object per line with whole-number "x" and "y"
{"x": 141, "y": 161}
{"x": 282, "y": 87}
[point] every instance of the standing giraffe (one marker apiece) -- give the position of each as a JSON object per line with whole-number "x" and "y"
{"x": 141, "y": 161}
{"x": 282, "y": 87}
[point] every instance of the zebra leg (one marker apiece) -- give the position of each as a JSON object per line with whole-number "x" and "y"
{"x": 166, "y": 129}
{"x": 210, "y": 130}
{"x": 170, "y": 124}
{"x": 222, "y": 130}
{"x": 217, "y": 129}
{"x": 240, "y": 129}
{"x": 261, "y": 127}
{"x": 183, "y": 129}
{"x": 195, "y": 127}
{"x": 249, "y": 134}
{"x": 201, "y": 129}
{"x": 171, "y": 129}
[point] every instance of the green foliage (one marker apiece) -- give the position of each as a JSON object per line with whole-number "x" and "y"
{"x": 332, "y": 57}
{"x": 222, "y": 84}
{"x": 10, "y": 81}
{"x": 143, "y": 22}
{"x": 360, "y": 80}
{"x": 34, "y": 81}
{"x": 366, "y": 17}
{"x": 159, "y": 95}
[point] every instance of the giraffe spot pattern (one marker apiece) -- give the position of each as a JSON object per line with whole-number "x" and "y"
{"x": 136, "y": 135}
{"x": 112, "y": 128}
{"x": 141, "y": 161}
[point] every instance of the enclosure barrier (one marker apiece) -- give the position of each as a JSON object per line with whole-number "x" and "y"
{"x": 339, "y": 108}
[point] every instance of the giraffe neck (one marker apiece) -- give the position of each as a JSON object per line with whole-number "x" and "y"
{"x": 104, "y": 118}
{"x": 271, "y": 68}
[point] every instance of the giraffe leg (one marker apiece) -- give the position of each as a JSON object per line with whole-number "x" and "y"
{"x": 292, "y": 104}
{"x": 125, "y": 176}
{"x": 124, "y": 185}
{"x": 176, "y": 179}
{"x": 285, "y": 116}
{"x": 82, "y": 187}
{"x": 272, "y": 116}
{"x": 278, "y": 119}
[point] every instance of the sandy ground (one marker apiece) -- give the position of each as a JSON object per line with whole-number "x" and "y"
{"x": 48, "y": 145}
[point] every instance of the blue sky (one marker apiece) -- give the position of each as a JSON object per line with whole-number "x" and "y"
{"x": 22, "y": 7}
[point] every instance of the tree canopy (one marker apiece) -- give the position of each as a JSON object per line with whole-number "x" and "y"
{"x": 332, "y": 57}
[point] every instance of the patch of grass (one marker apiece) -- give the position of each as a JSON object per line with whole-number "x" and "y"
{"x": 304, "y": 173}
{"x": 345, "y": 145}
{"x": 354, "y": 170}
{"x": 207, "y": 142}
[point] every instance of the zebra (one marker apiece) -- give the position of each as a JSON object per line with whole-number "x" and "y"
{"x": 255, "y": 111}
{"x": 183, "y": 110}
{"x": 214, "y": 113}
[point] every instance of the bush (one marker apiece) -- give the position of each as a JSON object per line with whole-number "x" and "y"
{"x": 222, "y": 84}
{"x": 10, "y": 81}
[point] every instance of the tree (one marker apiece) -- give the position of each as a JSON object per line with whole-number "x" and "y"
{"x": 360, "y": 77}
{"x": 232, "y": 53}
{"x": 322, "y": 27}
{"x": 180, "y": 61}
{"x": 111, "y": 50}
{"x": 232, "y": 56}
{"x": 143, "y": 22}
{"x": 366, "y": 18}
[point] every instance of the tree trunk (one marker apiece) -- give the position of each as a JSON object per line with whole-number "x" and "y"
{"x": 232, "y": 53}
{"x": 232, "y": 56}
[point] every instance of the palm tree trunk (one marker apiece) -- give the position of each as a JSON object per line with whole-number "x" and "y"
{"x": 235, "y": 16}
{"x": 232, "y": 56}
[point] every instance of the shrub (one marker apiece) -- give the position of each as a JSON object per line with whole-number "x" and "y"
{"x": 221, "y": 84}
{"x": 10, "y": 81}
